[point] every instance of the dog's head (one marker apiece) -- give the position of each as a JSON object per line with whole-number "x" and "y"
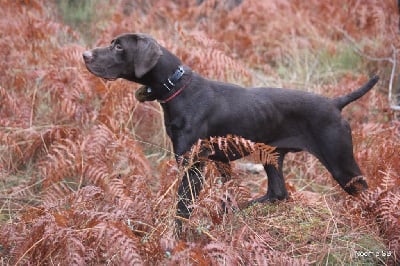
{"x": 129, "y": 56}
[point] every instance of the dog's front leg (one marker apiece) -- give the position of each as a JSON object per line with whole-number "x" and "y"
{"x": 188, "y": 191}
{"x": 183, "y": 135}
{"x": 192, "y": 181}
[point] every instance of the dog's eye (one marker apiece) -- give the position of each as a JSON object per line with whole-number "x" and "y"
{"x": 118, "y": 47}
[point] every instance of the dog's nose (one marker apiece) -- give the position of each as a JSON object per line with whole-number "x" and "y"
{"x": 87, "y": 56}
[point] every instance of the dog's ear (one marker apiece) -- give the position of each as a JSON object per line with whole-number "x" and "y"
{"x": 147, "y": 54}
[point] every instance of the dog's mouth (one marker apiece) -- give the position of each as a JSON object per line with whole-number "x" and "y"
{"x": 100, "y": 72}
{"x": 109, "y": 79}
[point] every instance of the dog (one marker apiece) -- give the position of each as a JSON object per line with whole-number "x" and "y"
{"x": 198, "y": 108}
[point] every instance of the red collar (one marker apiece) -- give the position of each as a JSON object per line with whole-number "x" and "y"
{"x": 176, "y": 93}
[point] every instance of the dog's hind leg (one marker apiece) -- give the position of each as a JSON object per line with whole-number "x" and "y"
{"x": 276, "y": 182}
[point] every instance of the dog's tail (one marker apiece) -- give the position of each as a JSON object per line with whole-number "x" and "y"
{"x": 344, "y": 100}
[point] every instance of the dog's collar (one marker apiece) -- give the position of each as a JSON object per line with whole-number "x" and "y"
{"x": 170, "y": 88}
{"x": 174, "y": 93}
{"x": 172, "y": 80}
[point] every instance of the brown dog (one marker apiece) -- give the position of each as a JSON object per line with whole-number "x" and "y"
{"x": 198, "y": 108}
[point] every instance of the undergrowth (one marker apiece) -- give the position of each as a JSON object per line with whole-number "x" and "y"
{"x": 87, "y": 173}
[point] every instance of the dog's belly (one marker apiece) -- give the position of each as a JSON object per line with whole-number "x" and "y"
{"x": 226, "y": 156}
{"x": 291, "y": 138}
{"x": 235, "y": 151}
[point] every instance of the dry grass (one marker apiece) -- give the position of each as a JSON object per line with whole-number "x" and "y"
{"x": 87, "y": 173}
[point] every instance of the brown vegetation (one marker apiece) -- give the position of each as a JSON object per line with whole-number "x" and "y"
{"x": 87, "y": 173}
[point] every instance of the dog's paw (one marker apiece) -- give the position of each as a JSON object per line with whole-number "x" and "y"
{"x": 144, "y": 94}
{"x": 356, "y": 186}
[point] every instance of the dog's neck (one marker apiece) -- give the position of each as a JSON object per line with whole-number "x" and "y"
{"x": 175, "y": 84}
{"x": 167, "y": 79}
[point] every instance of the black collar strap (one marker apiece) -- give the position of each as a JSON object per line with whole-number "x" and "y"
{"x": 172, "y": 80}
{"x": 170, "y": 85}
{"x": 146, "y": 93}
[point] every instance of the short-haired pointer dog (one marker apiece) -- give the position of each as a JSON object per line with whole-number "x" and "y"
{"x": 198, "y": 108}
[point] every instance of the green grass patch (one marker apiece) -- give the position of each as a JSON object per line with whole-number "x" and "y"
{"x": 319, "y": 66}
{"x": 85, "y": 16}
